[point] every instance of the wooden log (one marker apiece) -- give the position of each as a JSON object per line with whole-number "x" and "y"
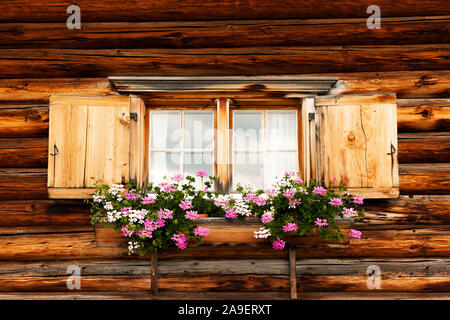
{"x": 408, "y": 84}
{"x": 28, "y": 213}
{"x": 26, "y": 184}
{"x": 223, "y": 34}
{"x": 293, "y": 273}
{"x": 23, "y": 121}
{"x": 114, "y": 10}
{"x": 424, "y": 178}
{"x": 23, "y": 153}
{"x": 48, "y": 63}
{"x": 417, "y": 209}
{"x": 419, "y": 148}
{"x": 421, "y": 115}
{"x": 212, "y": 283}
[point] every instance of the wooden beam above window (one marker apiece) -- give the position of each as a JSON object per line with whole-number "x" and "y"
{"x": 270, "y": 84}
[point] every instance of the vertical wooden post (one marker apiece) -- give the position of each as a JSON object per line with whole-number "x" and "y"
{"x": 223, "y": 144}
{"x": 293, "y": 273}
{"x": 154, "y": 273}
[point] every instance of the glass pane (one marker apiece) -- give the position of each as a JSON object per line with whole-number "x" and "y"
{"x": 165, "y": 130}
{"x": 276, "y": 163}
{"x": 194, "y": 161}
{"x": 247, "y": 128}
{"x": 281, "y": 130}
{"x": 163, "y": 164}
{"x": 248, "y": 169}
{"x": 198, "y": 130}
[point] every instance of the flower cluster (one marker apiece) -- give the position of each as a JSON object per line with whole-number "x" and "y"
{"x": 157, "y": 216}
{"x": 167, "y": 214}
{"x": 292, "y": 206}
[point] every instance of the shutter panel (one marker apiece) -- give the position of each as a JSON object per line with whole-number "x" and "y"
{"x": 356, "y": 143}
{"x": 89, "y": 141}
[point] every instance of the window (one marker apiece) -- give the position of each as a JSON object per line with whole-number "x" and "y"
{"x": 118, "y": 139}
{"x": 180, "y": 142}
{"x": 265, "y": 144}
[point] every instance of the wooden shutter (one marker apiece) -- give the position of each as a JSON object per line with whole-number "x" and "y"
{"x": 89, "y": 141}
{"x": 356, "y": 143}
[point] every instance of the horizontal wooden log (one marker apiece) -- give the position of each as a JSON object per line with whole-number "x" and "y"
{"x": 420, "y": 115}
{"x": 418, "y": 148}
{"x": 226, "y": 34}
{"x": 417, "y": 209}
{"x": 408, "y": 84}
{"x": 23, "y": 121}
{"x": 48, "y": 63}
{"x": 26, "y": 184}
{"x": 424, "y": 178}
{"x": 114, "y": 10}
{"x": 28, "y": 213}
{"x": 23, "y": 153}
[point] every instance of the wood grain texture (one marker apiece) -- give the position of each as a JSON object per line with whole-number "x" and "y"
{"x": 27, "y": 213}
{"x": 422, "y": 115}
{"x": 433, "y": 178}
{"x": 53, "y": 63}
{"x": 417, "y": 148}
{"x": 23, "y": 121}
{"x": 114, "y": 10}
{"x": 407, "y": 84}
{"x": 355, "y": 133}
{"x": 23, "y": 153}
{"x": 226, "y": 34}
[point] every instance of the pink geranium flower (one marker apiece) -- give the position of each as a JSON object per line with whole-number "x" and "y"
{"x": 289, "y": 193}
{"x": 259, "y": 201}
{"x": 202, "y": 173}
{"x": 299, "y": 181}
{"x": 267, "y": 217}
{"x": 355, "y": 234}
{"x": 321, "y": 222}
{"x": 148, "y": 200}
{"x": 192, "y": 215}
{"x": 290, "y": 227}
{"x": 178, "y": 177}
{"x": 165, "y": 214}
{"x": 180, "y": 240}
{"x": 349, "y": 212}
{"x": 358, "y": 200}
{"x": 126, "y": 232}
{"x": 202, "y": 232}
{"x": 278, "y": 244}
{"x": 320, "y": 190}
{"x": 185, "y": 205}
{"x": 335, "y": 202}
{"x": 231, "y": 214}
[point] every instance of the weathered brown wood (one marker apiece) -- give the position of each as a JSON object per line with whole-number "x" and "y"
{"x": 23, "y": 153}
{"x": 408, "y": 84}
{"x": 424, "y": 178}
{"x": 224, "y": 283}
{"x": 27, "y": 184}
{"x": 417, "y": 209}
{"x": 154, "y": 273}
{"x": 48, "y": 63}
{"x": 416, "y": 115}
{"x": 23, "y": 121}
{"x": 223, "y": 34}
{"x": 115, "y": 10}
{"x": 28, "y": 213}
{"x": 430, "y": 147}
{"x": 293, "y": 273}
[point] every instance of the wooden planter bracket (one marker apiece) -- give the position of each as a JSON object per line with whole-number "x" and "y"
{"x": 154, "y": 273}
{"x": 293, "y": 273}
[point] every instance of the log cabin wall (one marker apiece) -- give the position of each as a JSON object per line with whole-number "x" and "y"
{"x": 408, "y": 237}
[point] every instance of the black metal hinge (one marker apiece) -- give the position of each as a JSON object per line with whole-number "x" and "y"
{"x": 311, "y": 116}
{"x": 133, "y": 115}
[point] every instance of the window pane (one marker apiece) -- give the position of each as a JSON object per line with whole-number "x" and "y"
{"x": 247, "y": 128}
{"x": 165, "y": 130}
{"x": 198, "y": 130}
{"x": 276, "y": 163}
{"x": 248, "y": 169}
{"x": 163, "y": 164}
{"x": 194, "y": 161}
{"x": 281, "y": 130}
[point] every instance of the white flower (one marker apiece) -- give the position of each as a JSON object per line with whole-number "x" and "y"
{"x": 108, "y": 206}
{"x": 132, "y": 246}
{"x": 242, "y": 208}
{"x": 263, "y": 233}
